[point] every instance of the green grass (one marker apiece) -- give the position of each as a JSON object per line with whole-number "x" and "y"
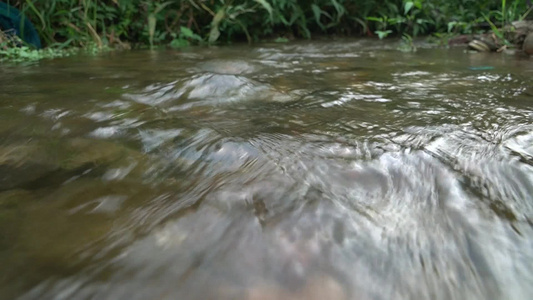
{"x": 67, "y": 24}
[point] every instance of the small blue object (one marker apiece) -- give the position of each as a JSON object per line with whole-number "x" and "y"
{"x": 11, "y": 19}
{"x": 481, "y": 68}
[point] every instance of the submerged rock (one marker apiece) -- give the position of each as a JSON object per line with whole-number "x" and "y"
{"x": 11, "y": 213}
{"x": 228, "y": 67}
{"x": 83, "y": 152}
{"x": 222, "y": 88}
{"x": 42, "y": 163}
{"x": 21, "y": 164}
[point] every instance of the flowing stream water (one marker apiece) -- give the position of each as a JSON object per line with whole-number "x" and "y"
{"x": 309, "y": 170}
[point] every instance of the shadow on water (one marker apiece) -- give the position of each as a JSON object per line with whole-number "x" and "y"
{"x": 344, "y": 170}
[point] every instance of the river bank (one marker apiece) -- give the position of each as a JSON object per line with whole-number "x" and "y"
{"x": 94, "y": 26}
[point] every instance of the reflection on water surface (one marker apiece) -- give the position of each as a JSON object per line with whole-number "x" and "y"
{"x": 342, "y": 170}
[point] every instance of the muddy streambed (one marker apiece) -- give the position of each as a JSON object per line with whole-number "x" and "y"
{"x": 316, "y": 170}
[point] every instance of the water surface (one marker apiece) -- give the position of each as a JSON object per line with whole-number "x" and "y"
{"x": 313, "y": 170}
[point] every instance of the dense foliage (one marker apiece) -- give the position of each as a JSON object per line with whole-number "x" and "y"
{"x": 67, "y": 23}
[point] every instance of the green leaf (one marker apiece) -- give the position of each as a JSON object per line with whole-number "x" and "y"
{"x": 376, "y": 19}
{"x": 188, "y": 33}
{"x": 317, "y": 12}
{"x": 162, "y": 6}
{"x": 495, "y": 29}
{"x": 451, "y": 25}
{"x": 408, "y": 6}
{"x": 266, "y": 6}
{"x": 383, "y": 34}
{"x": 179, "y": 43}
{"x": 151, "y": 28}
{"x": 339, "y": 8}
{"x": 36, "y": 11}
{"x": 281, "y": 40}
{"x": 214, "y": 34}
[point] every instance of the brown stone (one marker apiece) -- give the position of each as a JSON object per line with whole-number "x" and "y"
{"x": 524, "y": 24}
{"x": 460, "y": 40}
{"x": 528, "y": 44}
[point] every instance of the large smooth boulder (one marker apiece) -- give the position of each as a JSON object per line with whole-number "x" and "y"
{"x": 528, "y": 44}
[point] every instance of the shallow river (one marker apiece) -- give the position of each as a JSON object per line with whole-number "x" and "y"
{"x": 316, "y": 170}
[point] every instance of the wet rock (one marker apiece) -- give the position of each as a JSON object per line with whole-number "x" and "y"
{"x": 523, "y": 25}
{"x": 528, "y": 44}
{"x": 517, "y": 32}
{"x": 221, "y": 88}
{"x": 228, "y": 87}
{"x": 460, "y": 40}
{"x": 229, "y": 67}
{"x": 483, "y": 43}
{"x": 479, "y": 46}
